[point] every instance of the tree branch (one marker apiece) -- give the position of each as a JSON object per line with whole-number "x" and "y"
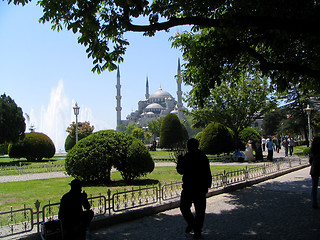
{"x": 297, "y": 26}
{"x": 173, "y": 22}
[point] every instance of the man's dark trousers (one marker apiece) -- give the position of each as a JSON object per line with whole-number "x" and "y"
{"x": 199, "y": 200}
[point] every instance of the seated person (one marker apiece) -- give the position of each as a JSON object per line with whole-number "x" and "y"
{"x": 239, "y": 156}
{"x": 75, "y": 220}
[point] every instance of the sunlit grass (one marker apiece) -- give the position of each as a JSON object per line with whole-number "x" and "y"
{"x": 16, "y": 194}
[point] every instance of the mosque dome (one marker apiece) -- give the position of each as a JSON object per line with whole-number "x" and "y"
{"x": 160, "y": 94}
{"x": 174, "y": 111}
{"x": 154, "y": 106}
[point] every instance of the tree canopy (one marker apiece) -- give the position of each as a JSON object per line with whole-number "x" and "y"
{"x": 12, "y": 124}
{"x": 276, "y": 37}
{"x": 84, "y": 129}
{"x": 235, "y": 104}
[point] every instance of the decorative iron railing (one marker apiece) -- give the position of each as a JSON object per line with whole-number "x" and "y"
{"x": 27, "y": 169}
{"x": 212, "y": 158}
{"x": 28, "y": 220}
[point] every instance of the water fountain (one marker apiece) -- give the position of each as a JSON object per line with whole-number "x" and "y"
{"x": 58, "y": 115}
{"x": 55, "y": 118}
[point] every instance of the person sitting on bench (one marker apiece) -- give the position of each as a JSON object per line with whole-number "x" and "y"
{"x": 75, "y": 221}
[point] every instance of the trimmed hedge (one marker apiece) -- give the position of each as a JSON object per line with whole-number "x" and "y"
{"x": 33, "y": 146}
{"x": 92, "y": 158}
{"x": 172, "y": 133}
{"x": 247, "y": 134}
{"x": 216, "y": 139}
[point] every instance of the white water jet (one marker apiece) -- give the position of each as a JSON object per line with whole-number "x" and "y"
{"x": 58, "y": 115}
{"x": 55, "y": 118}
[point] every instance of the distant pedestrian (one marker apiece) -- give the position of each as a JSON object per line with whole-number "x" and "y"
{"x": 285, "y": 144}
{"x": 271, "y": 148}
{"x": 278, "y": 144}
{"x": 259, "y": 155}
{"x": 263, "y": 141}
{"x": 249, "y": 152}
{"x": 314, "y": 160}
{"x": 291, "y": 145}
{"x": 74, "y": 220}
{"x": 195, "y": 168}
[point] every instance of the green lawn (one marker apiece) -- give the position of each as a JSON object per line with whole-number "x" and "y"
{"x": 16, "y": 194}
{"x": 299, "y": 150}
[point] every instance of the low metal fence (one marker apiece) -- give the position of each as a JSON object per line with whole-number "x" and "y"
{"x": 28, "y": 220}
{"x": 212, "y": 158}
{"x": 27, "y": 169}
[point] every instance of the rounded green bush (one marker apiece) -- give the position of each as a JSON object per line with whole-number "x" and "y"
{"x": 69, "y": 143}
{"x": 92, "y": 158}
{"x": 306, "y": 151}
{"x": 172, "y": 133}
{"x": 33, "y": 146}
{"x": 247, "y": 134}
{"x": 138, "y": 161}
{"x": 216, "y": 139}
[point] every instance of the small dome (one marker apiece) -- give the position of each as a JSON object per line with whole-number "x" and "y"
{"x": 160, "y": 94}
{"x": 150, "y": 113}
{"x": 174, "y": 111}
{"x": 154, "y": 106}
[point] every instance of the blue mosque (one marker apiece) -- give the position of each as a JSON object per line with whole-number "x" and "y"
{"x": 156, "y": 105}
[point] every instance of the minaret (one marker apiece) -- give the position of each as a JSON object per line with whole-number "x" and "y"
{"x": 179, "y": 92}
{"x": 118, "y": 97}
{"x": 147, "y": 89}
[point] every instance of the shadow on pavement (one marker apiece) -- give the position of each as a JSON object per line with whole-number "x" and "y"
{"x": 277, "y": 210}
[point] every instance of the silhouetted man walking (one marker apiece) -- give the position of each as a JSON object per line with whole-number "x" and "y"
{"x": 74, "y": 220}
{"x": 195, "y": 168}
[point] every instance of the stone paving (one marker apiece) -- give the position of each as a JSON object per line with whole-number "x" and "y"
{"x": 275, "y": 209}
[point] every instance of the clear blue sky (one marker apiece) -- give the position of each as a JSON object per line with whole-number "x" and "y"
{"x": 46, "y": 72}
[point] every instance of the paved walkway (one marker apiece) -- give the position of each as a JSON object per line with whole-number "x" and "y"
{"x": 275, "y": 209}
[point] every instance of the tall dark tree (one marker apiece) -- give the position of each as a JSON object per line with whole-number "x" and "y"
{"x": 297, "y": 99}
{"x": 12, "y": 122}
{"x": 172, "y": 134}
{"x": 277, "y": 37}
{"x": 271, "y": 124}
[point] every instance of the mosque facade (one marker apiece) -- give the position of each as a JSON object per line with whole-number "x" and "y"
{"x": 156, "y": 105}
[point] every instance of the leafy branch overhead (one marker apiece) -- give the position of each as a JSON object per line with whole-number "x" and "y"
{"x": 276, "y": 37}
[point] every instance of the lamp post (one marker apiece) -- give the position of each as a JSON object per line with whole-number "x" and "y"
{"x": 76, "y": 112}
{"x": 308, "y": 111}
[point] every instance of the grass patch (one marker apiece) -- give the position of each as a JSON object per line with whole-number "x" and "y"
{"x": 298, "y": 150}
{"x": 161, "y": 154}
{"x": 16, "y": 194}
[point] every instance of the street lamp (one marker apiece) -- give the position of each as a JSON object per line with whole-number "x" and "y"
{"x": 308, "y": 111}
{"x": 76, "y": 112}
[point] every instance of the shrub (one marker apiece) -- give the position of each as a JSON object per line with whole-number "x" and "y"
{"x": 92, "y": 158}
{"x": 4, "y": 148}
{"x": 69, "y": 143}
{"x": 216, "y": 139}
{"x": 306, "y": 151}
{"x": 198, "y": 135}
{"x": 33, "y": 146}
{"x": 137, "y": 162}
{"x": 172, "y": 134}
{"x": 247, "y": 134}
